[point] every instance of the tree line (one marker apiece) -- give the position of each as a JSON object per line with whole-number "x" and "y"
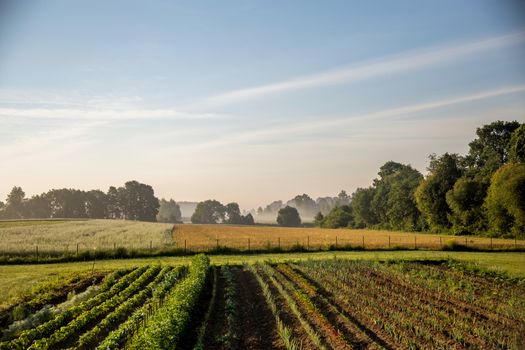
{"x": 133, "y": 201}
{"x": 305, "y": 205}
{"x": 482, "y": 192}
{"x": 212, "y": 212}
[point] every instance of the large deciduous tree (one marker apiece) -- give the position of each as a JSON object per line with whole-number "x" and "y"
{"x": 232, "y": 214}
{"x": 14, "y": 207}
{"x": 393, "y": 202}
{"x": 208, "y": 212}
{"x": 517, "y": 145}
{"x": 431, "y": 193}
{"x": 465, "y": 201}
{"x": 364, "y": 215}
{"x": 138, "y": 201}
{"x": 490, "y": 150}
{"x": 505, "y": 202}
{"x": 338, "y": 217}
{"x": 169, "y": 211}
{"x": 289, "y": 217}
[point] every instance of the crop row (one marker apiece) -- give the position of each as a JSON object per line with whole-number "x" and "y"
{"x": 119, "y": 314}
{"x": 293, "y": 306}
{"x": 111, "y": 285}
{"x": 165, "y": 327}
{"x": 45, "y": 294}
{"x": 407, "y": 315}
{"x": 91, "y": 316}
{"x": 118, "y": 337}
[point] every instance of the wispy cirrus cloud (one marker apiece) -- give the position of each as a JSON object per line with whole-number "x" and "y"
{"x": 388, "y": 65}
{"x": 305, "y": 127}
{"x": 100, "y": 114}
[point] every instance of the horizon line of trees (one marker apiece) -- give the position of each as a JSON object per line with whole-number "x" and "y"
{"x": 482, "y": 192}
{"x": 133, "y": 201}
{"x": 214, "y": 212}
{"x": 306, "y": 206}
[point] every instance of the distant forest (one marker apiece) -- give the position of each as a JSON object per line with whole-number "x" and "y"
{"x": 482, "y": 192}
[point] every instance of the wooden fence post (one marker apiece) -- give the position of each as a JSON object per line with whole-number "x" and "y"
{"x": 388, "y": 242}
{"x": 37, "y": 253}
{"x": 336, "y": 241}
{"x": 308, "y": 242}
{"x": 363, "y": 242}
{"x": 279, "y": 242}
{"x": 490, "y": 243}
{"x": 248, "y": 244}
{"x": 415, "y": 242}
{"x": 77, "y": 248}
{"x": 184, "y": 246}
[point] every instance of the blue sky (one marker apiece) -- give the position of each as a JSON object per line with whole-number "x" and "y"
{"x": 248, "y": 101}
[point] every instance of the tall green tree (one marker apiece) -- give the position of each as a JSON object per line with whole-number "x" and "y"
{"x": 517, "y": 145}
{"x": 96, "y": 204}
{"x": 338, "y": 217}
{"x": 393, "y": 202}
{"x": 505, "y": 202}
{"x": 465, "y": 201}
{"x": 247, "y": 219}
{"x": 208, "y": 212}
{"x": 169, "y": 211}
{"x": 364, "y": 215}
{"x": 14, "y": 208}
{"x": 431, "y": 193}
{"x": 138, "y": 201}
{"x": 233, "y": 214}
{"x": 490, "y": 150}
{"x": 289, "y": 217}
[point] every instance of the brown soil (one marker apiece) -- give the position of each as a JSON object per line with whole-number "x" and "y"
{"x": 217, "y": 324}
{"x": 258, "y": 326}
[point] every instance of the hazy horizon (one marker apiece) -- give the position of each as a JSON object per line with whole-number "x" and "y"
{"x": 248, "y": 101}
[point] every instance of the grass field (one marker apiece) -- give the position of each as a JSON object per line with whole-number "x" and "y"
{"x": 32, "y": 239}
{"x": 64, "y": 236}
{"x": 320, "y": 303}
{"x": 207, "y": 237}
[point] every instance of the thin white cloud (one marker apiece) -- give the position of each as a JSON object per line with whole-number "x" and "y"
{"x": 328, "y": 123}
{"x": 62, "y": 140}
{"x": 388, "y": 65}
{"x": 100, "y": 114}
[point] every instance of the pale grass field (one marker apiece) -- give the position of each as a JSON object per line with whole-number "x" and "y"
{"x": 206, "y": 237}
{"x": 88, "y": 234}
